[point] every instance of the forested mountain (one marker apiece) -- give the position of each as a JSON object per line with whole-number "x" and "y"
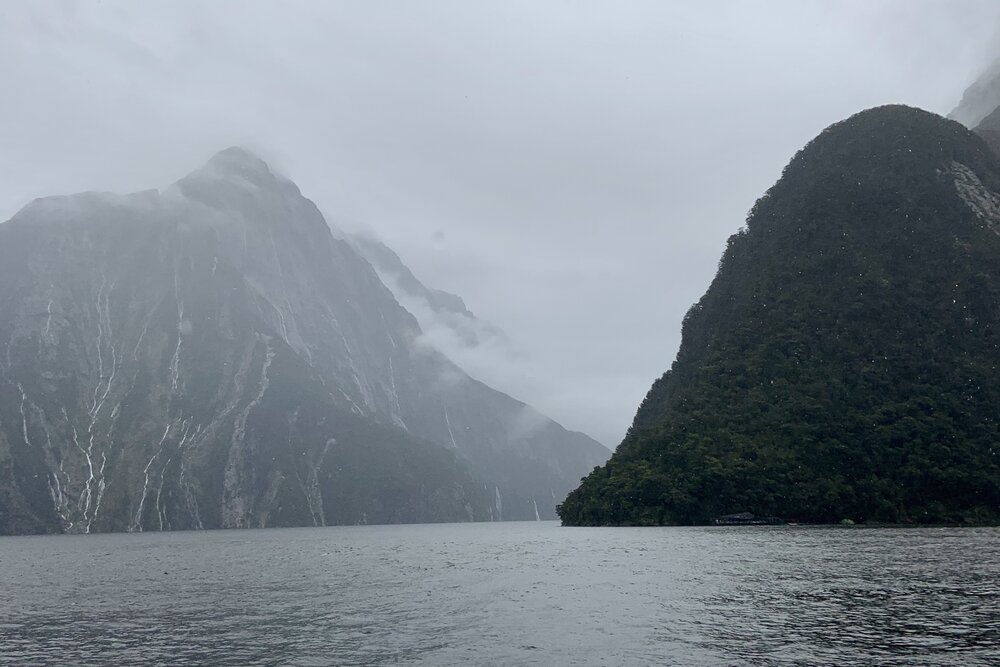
{"x": 211, "y": 356}
{"x": 843, "y": 364}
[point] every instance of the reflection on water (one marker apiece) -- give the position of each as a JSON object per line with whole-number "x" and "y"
{"x": 521, "y": 593}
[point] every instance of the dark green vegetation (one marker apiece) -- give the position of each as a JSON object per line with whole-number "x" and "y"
{"x": 844, "y": 362}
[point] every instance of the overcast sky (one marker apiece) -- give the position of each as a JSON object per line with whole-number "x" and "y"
{"x": 572, "y": 169}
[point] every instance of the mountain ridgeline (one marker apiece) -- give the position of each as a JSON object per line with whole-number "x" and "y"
{"x": 843, "y": 364}
{"x": 432, "y": 307}
{"x": 212, "y": 356}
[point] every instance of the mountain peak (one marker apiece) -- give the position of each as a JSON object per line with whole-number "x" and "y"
{"x": 232, "y": 365}
{"x": 233, "y": 172}
{"x": 860, "y": 159}
{"x": 238, "y": 158}
{"x": 887, "y": 132}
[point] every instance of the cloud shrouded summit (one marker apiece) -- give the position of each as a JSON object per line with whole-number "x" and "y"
{"x": 212, "y": 356}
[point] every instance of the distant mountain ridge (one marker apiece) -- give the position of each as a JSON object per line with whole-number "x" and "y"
{"x": 980, "y": 99}
{"x": 989, "y": 130}
{"x": 446, "y": 307}
{"x": 979, "y": 109}
{"x": 211, "y": 356}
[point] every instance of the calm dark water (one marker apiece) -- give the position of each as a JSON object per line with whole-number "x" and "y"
{"x": 505, "y": 594}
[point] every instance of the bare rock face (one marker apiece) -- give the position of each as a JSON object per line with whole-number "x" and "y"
{"x": 211, "y": 356}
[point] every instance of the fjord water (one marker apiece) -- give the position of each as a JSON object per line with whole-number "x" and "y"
{"x": 503, "y": 594}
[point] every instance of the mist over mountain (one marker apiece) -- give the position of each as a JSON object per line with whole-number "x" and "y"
{"x": 434, "y": 309}
{"x": 843, "y": 364}
{"x": 989, "y": 130}
{"x": 980, "y": 99}
{"x": 979, "y": 109}
{"x": 212, "y": 356}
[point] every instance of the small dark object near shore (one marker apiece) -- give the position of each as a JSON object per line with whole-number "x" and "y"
{"x": 747, "y": 519}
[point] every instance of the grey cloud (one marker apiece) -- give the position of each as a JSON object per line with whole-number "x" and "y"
{"x": 572, "y": 169}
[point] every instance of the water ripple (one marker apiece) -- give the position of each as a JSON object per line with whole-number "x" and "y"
{"x": 501, "y": 594}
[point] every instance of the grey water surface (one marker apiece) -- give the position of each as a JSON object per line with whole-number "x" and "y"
{"x": 504, "y": 594}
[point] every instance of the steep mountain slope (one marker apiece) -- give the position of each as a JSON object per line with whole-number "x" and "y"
{"x": 989, "y": 129}
{"x": 844, "y": 361}
{"x": 212, "y": 357}
{"x": 980, "y": 99}
{"x": 445, "y": 307}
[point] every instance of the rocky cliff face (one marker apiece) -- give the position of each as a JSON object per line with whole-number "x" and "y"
{"x": 211, "y": 356}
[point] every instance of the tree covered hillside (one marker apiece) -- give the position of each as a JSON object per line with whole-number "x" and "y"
{"x": 844, "y": 361}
